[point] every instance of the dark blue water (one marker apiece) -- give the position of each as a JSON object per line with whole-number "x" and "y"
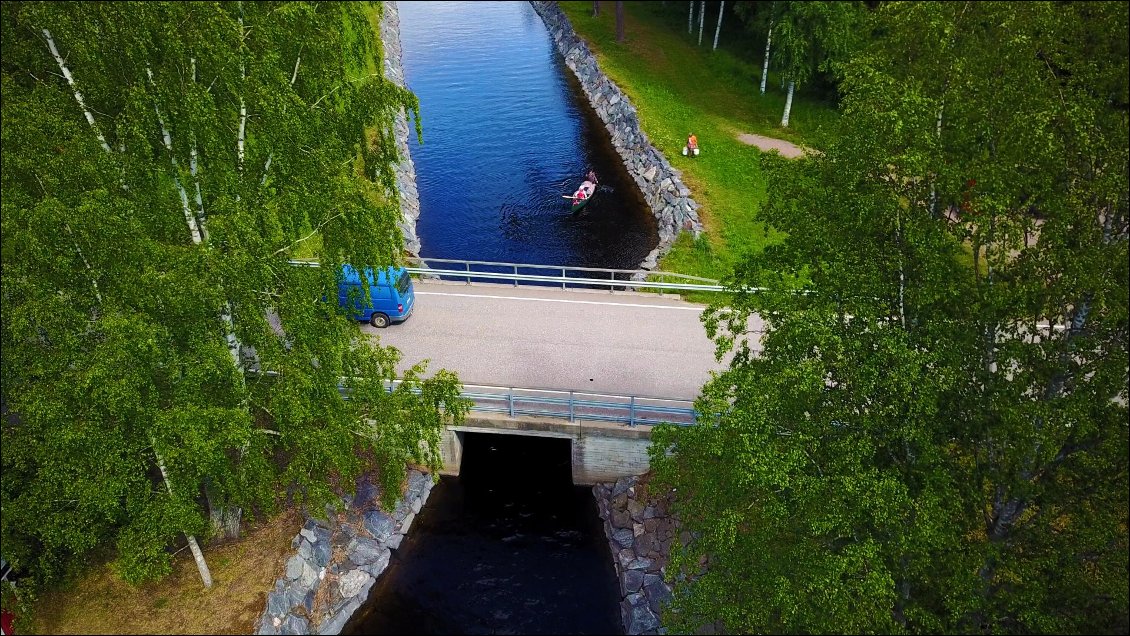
{"x": 507, "y": 132}
{"x": 508, "y": 547}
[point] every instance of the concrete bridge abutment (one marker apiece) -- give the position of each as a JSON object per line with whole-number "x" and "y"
{"x": 601, "y": 451}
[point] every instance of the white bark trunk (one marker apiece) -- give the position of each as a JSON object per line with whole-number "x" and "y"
{"x": 902, "y": 271}
{"x": 167, "y": 138}
{"x": 200, "y": 217}
{"x": 690, "y": 19}
{"x": 788, "y": 105}
{"x": 94, "y": 283}
{"x": 718, "y": 29}
{"x": 201, "y": 564}
{"x": 765, "y": 63}
{"x": 242, "y": 104}
{"x": 78, "y": 95}
{"x": 701, "y": 20}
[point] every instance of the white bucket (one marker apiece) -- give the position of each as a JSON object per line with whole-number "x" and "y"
{"x": 684, "y": 151}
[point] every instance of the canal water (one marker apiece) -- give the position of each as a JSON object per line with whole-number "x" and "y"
{"x": 507, "y": 133}
{"x": 508, "y": 547}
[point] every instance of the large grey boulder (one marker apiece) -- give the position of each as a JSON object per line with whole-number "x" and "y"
{"x": 379, "y": 524}
{"x": 642, "y": 620}
{"x": 363, "y": 551}
{"x": 294, "y": 567}
{"x": 350, "y": 584}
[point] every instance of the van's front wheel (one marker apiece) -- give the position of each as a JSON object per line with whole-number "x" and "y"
{"x": 379, "y": 320}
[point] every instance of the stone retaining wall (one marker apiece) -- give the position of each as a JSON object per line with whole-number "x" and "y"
{"x": 640, "y": 532}
{"x": 338, "y": 560}
{"x": 660, "y": 183}
{"x": 405, "y": 170}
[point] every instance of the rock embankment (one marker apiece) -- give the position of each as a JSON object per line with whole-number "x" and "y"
{"x": 660, "y": 183}
{"x": 640, "y": 532}
{"x": 405, "y": 169}
{"x": 338, "y": 559}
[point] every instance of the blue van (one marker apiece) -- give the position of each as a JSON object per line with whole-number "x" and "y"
{"x": 392, "y": 295}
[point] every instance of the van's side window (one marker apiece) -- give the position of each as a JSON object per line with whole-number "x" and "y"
{"x": 403, "y": 283}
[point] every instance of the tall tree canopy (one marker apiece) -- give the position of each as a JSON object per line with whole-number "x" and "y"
{"x": 934, "y": 437}
{"x": 161, "y": 162}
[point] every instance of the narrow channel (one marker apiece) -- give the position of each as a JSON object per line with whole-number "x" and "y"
{"x": 507, "y": 133}
{"x": 508, "y": 547}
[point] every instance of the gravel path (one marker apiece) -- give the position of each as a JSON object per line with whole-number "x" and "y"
{"x": 787, "y": 149}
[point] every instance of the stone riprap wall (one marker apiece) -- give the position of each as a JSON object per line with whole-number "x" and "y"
{"x": 640, "y": 532}
{"x": 338, "y": 559}
{"x": 405, "y": 170}
{"x": 660, "y": 183}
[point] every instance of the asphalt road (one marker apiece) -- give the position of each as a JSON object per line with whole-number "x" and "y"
{"x": 623, "y": 343}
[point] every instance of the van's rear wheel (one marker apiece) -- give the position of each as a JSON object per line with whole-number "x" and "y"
{"x": 379, "y": 320}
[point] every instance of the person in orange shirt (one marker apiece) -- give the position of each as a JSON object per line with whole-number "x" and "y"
{"x": 692, "y": 146}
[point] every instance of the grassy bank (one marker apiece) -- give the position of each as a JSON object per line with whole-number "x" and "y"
{"x": 678, "y": 87}
{"x": 242, "y": 572}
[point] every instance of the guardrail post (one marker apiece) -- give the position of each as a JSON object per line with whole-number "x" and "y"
{"x": 515, "y": 275}
{"x": 572, "y": 416}
{"x": 468, "y": 266}
{"x": 632, "y": 412}
{"x": 612, "y": 277}
{"x": 562, "y": 278}
{"x": 510, "y": 399}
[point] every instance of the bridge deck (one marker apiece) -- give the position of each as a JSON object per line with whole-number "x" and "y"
{"x": 626, "y": 343}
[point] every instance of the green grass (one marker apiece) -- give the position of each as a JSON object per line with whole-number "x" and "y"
{"x": 678, "y": 87}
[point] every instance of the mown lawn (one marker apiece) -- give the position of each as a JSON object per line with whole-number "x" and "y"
{"x": 678, "y": 87}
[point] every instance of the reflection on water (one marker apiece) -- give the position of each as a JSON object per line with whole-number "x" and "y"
{"x": 509, "y": 547}
{"x": 506, "y": 134}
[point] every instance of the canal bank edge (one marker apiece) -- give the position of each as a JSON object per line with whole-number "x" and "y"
{"x": 659, "y": 182}
{"x": 338, "y": 560}
{"x": 405, "y": 169}
{"x": 640, "y": 531}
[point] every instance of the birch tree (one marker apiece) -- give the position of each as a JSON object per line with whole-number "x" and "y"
{"x": 810, "y": 37}
{"x": 152, "y": 194}
{"x": 933, "y": 439}
{"x": 757, "y": 19}
{"x": 718, "y": 28}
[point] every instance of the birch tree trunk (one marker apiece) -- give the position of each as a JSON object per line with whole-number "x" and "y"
{"x": 701, "y": 20}
{"x": 201, "y": 564}
{"x": 197, "y": 554}
{"x": 690, "y": 18}
{"x": 765, "y": 63}
{"x": 788, "y": 105}
{"x": 718, "y": 29}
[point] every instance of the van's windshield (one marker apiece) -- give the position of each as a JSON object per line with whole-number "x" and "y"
{"x": 403, "y": 283}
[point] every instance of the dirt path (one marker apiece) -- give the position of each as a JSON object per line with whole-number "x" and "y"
{"x": 787, "y": 149}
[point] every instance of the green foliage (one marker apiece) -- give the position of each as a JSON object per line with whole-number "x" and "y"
{"x": 114, "y": 329}
{"x": 909, "y": 447}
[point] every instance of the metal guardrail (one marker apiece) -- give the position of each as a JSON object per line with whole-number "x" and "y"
{"x": 518, "y": 273}
{"x": 631, "y": 410}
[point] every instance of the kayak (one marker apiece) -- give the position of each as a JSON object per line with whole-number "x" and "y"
{"x": 589, "y": 189}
